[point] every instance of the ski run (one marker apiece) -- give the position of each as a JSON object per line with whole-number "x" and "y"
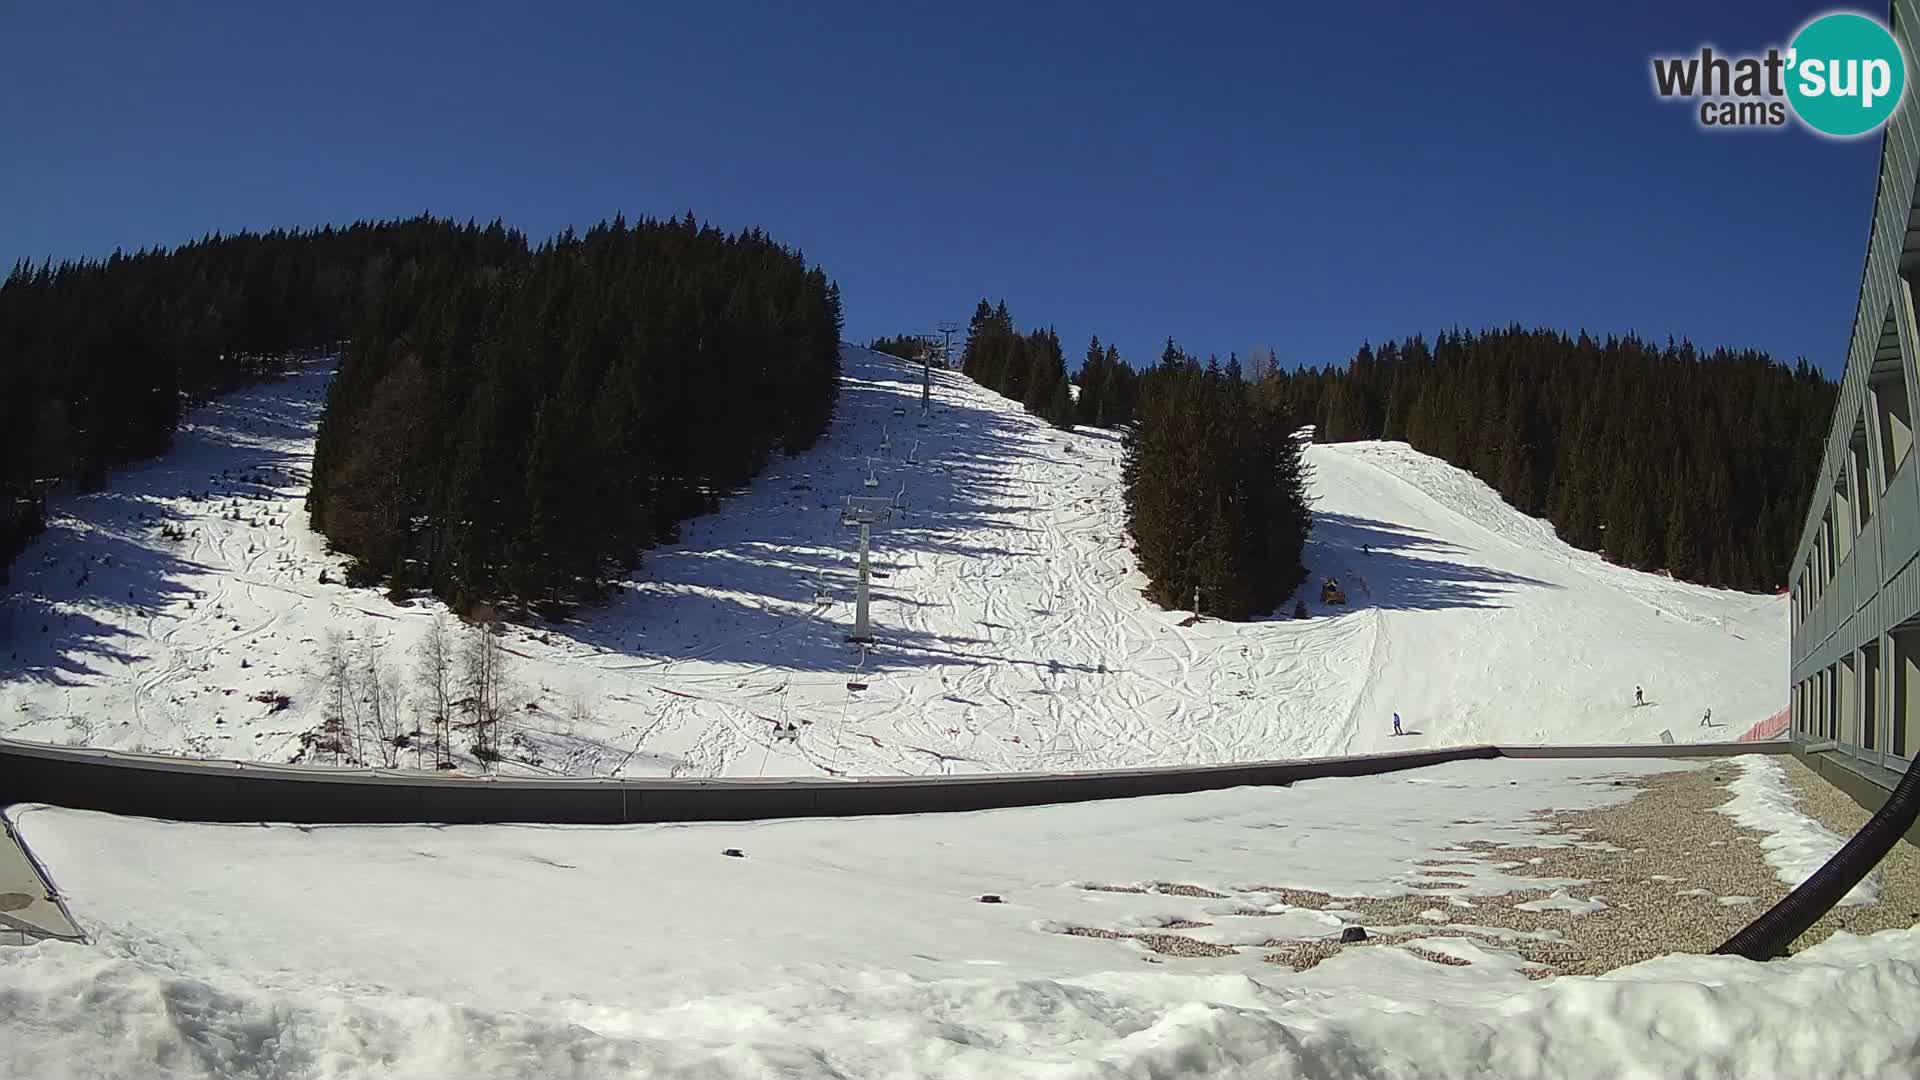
{"x": 183, "y": 611}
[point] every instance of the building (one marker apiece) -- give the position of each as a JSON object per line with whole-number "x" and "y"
{"x": 1855, "y": 584}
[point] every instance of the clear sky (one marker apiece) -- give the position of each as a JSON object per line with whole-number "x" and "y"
{"x": 1228, "y": 174}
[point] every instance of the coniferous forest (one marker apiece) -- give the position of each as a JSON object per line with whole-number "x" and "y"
{"x": 507, "y": 423}
{"x": 906, "y": 346}
{"x": 1216, "y": 491}
{"x": 98, "y": 356}
{"x": 1663, "y": 457}
{"x": 1032, "y": 370}
{"x": 523, "y": 430}
{"x": 1215, "y": 487}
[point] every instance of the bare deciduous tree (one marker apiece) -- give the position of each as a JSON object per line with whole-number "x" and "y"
{"x": 380, "y": 689}
{"x": 341, "y": 715}
{"x": 436, "y": 677}
{"x": 483, "y": 668}
{"x": 1261, "y": 362}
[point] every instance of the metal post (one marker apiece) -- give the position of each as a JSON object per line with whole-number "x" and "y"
{"x": 864, "y": 512}
{"x": 861, "y": 630}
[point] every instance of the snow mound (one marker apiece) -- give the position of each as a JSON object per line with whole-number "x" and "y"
{"x": 1795, "y": 844}
{"x": 857, "y": 947}
{"x": 171, "y": 612}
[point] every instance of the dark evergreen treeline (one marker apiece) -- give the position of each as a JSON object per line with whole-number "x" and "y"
{"x": 1670, "y": 458}
{"x": 1031, "y": 369}
{"x": 1215, "y": 487}
{"x": 906, "y": 346}
{"x": 98, "y": 356}
{"x": 519, "y": 428}
{"x": 1216, "y": 491}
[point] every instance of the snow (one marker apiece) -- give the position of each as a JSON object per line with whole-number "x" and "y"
{"x": 1014, "y": 636}
{"x": 856, "y": 947}
{"x": 1795, "y": 844}
{"x": 1560, "y": 900}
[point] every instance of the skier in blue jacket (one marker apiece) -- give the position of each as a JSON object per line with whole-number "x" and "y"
{"x": 1396, "y": 725}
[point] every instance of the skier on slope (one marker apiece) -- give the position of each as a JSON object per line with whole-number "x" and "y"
{"x": 1639, "y": 698}
{"x": 1396, "y": 725}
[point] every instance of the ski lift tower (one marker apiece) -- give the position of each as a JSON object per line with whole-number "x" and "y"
{"x": 864, "y": 512}
{"x": 947, "y": 330}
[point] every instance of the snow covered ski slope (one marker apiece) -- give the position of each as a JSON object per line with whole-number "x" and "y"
{"x": 170, "y": 612}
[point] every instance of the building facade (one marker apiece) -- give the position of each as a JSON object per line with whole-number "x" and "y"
{"x": 1855, "y": 584}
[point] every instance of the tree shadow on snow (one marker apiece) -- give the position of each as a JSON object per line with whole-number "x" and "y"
{"x": 740, "y": 586}
{"x": 46, "y": 634}
{"x": 1402, "y": 568}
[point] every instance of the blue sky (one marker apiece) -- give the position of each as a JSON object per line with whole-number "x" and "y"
{"x": 1228, "y": 174}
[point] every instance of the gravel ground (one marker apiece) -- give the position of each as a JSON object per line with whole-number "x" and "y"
{"x": 1675, "y": 877}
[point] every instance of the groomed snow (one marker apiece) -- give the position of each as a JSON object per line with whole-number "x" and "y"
{"x": 1014, "y": 636}
{"x": 1795, "y": 844}
{"x": 857, "y": 947}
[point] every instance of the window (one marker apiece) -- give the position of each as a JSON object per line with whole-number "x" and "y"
{"x": 1866, "y": 493}
{"x": 1903, "y": 697}
{"x": 1846, "y": 702}
{"x": 1841, "y": 524}
{"x": 1893, "y": 413}
{"x": 1870, "y": 695}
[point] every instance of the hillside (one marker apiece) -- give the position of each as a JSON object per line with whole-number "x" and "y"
{"x": 1013, "y": 633}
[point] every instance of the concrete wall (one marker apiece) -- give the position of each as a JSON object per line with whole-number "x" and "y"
{"x": 188, "y": 790}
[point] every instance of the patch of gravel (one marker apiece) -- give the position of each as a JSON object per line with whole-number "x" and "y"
{"x": 1165, "y": 944}
{"x": 1115, "y": 888}
{"x": 1170, "y": 889}
{"x": 1437, "y": 957}
{"x": 1180, "y": 945}
{"x": 1663, "y": 861}
{"x": 1300, "y": 898}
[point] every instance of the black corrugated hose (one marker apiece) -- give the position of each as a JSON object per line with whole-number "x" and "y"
{"x": 1769, "y": 935}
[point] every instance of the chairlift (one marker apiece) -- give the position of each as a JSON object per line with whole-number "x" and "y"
{"x": 873, "y": 480}
{"x": 855, "y": 683}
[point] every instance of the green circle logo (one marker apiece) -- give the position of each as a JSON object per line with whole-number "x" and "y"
{"x": 1846, "y": 74}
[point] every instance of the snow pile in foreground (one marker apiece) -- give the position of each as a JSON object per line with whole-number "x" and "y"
{"x": 72, "y": 1012}
{"x": 858, "y": 948}
{"x": 1796, "y": 845}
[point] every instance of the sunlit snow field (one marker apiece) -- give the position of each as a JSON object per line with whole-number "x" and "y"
{"x": 1013, "y": 634}
{"x": 860, "y": 947}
